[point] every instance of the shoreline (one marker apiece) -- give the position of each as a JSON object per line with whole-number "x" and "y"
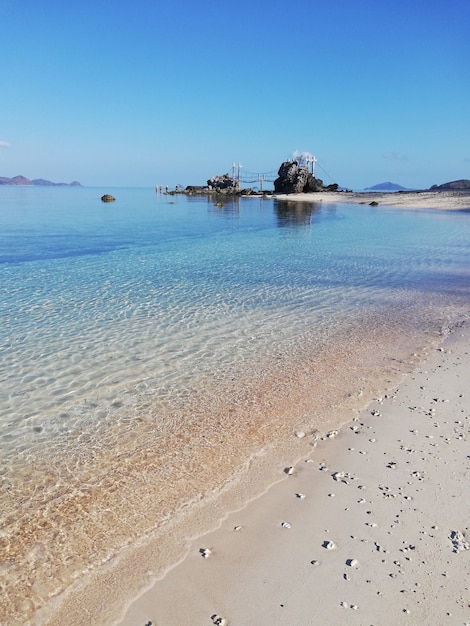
{"x": 373, "y": 521}
{"x": 128, "y": 572}
{"x": 437, "y": 200}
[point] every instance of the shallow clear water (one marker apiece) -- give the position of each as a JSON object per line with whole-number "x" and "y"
{"x": 130, "y": 326}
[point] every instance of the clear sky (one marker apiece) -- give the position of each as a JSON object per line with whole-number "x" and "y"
{"x": 146, "y": 92}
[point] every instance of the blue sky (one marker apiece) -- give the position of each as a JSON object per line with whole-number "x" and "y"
{"x": 173, "y": 91}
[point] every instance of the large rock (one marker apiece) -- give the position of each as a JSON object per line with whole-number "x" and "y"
{"x": 223, "y": 183}
{"x": 295, "y": 178}
{"x": 107, "y": 198}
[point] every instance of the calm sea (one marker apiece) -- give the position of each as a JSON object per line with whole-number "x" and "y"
{"x": 152, "y": 347}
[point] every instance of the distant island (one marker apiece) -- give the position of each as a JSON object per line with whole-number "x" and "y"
{"x": 455, "y": 185}
{"x": 386, "y": 187}
{"x": 38, "y": 182}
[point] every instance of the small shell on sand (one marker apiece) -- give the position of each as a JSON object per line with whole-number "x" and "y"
{"x": 300, "y": 495}
{"x": 286, "y": 525}
{"x": 218, "y": 620}
{"x": 352, "y": 562}
{"x": 237, "y": 528}
{"x": 329, "y": 545}
{"x": 289, "y": 470}
{"x": 205, "y": 552}
{"x": 332, "y": 434}
{"x": 300, "y": 434}
{"x": 315, "y": 563}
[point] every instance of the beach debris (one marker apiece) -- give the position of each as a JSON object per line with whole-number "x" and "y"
{"x": 205, "y": 552}
{"x": 344, "y": 477}
{"x": 329, "y": 545}
{"x": 315, "y": 563}
{"x": 289, "y": 470}
{"x": 344, "y": 605}
{"x": 375, "y": 413}
{"x": 332, "y": 434}
{"x": 354, "y": 607}
{"x": 459, "y": 541}
{"x": 352, "y": 562}
{"x": 300, "y": 495}
{"x": 237, "y": 528}
{"x": 300, "y": 434}
{"x": 218, "y": 620}
{"x": 286, "y": 525}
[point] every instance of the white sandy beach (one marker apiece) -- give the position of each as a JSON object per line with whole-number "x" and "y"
{"x": 371, "y": 528}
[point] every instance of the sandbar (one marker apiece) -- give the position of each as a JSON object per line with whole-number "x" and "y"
{"x": 440, "y": 200}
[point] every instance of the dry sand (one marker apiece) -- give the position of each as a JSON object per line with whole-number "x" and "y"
{"x": 442, "y": 200}
{"x": 372, "y": 528}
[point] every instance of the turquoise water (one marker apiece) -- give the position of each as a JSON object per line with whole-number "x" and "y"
{"x": 122, "y": 321}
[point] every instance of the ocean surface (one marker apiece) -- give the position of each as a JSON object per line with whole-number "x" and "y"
{"x": 153, "y": 347}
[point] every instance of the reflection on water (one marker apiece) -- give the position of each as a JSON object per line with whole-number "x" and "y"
{"x": 153, "y": 365}
{"x": 295, "y": 214}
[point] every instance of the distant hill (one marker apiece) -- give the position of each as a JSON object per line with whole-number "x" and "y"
{"x": 455, "y": 185}
{"x": 386, "y": 187}
{"x": 38, "y": 182}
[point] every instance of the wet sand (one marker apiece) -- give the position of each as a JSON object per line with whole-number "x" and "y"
{"x": 371, "y": 527}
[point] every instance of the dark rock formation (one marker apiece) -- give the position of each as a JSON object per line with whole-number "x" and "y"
{"x": 195, "y": 189}
{"x": 107, "y": 198}
{"x": 223, "y": 183}
{"x": 295, "y": 178}
{"x": 455, "y": 185}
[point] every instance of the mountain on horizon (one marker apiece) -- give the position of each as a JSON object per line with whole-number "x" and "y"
{"x": 386, "y": 187}
{"x": 454, "y": 185}
{"x": 37, "y": 182}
